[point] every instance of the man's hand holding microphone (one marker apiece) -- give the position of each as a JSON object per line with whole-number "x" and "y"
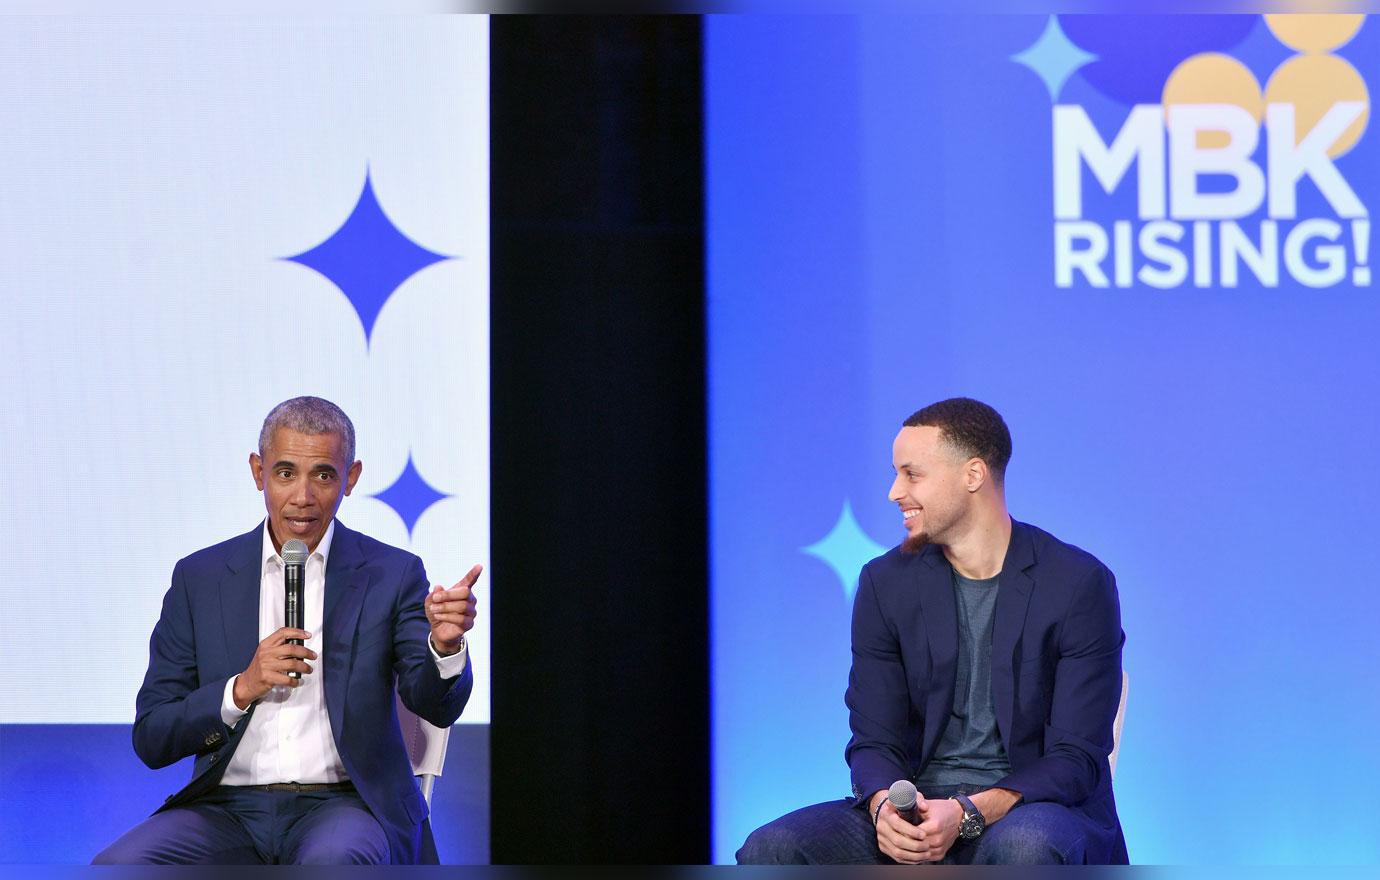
{"x": 273, "y": 660}
{"x": 910, "y": 829}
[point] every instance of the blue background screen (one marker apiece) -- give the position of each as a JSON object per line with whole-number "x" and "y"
{"x": 882, "y": 234}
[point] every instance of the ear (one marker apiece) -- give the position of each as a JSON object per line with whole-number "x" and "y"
{"x": 256, "y": 467}
{"x": 352, "y": 476}
{"x": 975, "y": 474}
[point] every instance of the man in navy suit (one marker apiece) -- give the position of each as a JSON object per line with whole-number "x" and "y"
{"x": 986, "y": 670}
{"x": 309, "y": 769}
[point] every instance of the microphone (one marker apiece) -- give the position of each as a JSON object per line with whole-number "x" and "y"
{"x": 294, "y": 577}
{"x": 902, "y": 795}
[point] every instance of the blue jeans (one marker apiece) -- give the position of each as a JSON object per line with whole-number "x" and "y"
{"x": 838, "y": 833}
{"x": 236, "y": 825}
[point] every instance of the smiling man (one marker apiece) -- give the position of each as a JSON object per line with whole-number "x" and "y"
{"x": 309, "y": 769}
{"x": 986, "y": 670}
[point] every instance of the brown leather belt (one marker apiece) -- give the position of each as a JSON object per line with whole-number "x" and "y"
{"x": 304, "y": 786}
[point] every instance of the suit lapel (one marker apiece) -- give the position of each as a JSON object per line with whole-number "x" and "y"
{"x": 1013, "y": 599}
{"x": 239, "y": 598}
{"x": 345, "y": 582}
{"x": 940, "y": 613}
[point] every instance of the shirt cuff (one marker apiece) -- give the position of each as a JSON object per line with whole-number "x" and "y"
{"x": 229, "y": 712}
{"x": 451, "y": 666}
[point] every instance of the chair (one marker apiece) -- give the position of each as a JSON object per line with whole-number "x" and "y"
{"x": 1120, "y": 719}
{"x": 426, "y": 747}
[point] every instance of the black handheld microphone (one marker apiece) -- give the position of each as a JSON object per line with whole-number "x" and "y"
{"x": 294, "y": 578}
{"x": 902, "y": 795}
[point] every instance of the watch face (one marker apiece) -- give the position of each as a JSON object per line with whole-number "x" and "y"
{"x": 971, "y": 827}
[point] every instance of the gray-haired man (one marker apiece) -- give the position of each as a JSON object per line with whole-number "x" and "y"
{"x": 307, "y": 770}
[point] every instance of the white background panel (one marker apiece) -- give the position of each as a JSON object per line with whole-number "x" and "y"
{"x": 155, "y": 170}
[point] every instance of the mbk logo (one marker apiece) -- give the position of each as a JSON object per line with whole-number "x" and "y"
{"x": 1168, "y": 191}
{"x": 1220, "y": 166}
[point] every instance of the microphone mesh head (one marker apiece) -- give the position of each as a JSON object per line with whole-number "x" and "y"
{"x": 294, "y": 552}
{"x": 902, "y": 795}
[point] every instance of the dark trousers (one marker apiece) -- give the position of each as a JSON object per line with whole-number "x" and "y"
{"x": 838, "y": 833}
{"x": 237, "y": 825}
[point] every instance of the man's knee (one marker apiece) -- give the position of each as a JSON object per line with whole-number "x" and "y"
{"x": 775, "y": 843}
{"x": 342, "y": 836}
{"x": 1032, "y": 834}
{"x": 330, "y": 851}
{"x": 136, "y": 847}
{"x": 830, "y": 833}
{"x": 120, "y": 854}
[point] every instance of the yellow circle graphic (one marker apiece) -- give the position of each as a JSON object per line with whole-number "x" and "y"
{"x": 1314, "y": 33}
{"x": 1313, "y": 83}
{"x": 1212, "y": 78}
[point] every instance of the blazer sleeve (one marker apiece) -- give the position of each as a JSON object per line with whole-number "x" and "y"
{"x": 423, "y": 690}
{"x": 1087, "y": 690}
{"x": 176, "y": 714}
{"x": 884, "y": 742}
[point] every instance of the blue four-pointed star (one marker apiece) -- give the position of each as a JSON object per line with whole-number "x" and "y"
{"x": 1054, "y": 57}
{"x": 410, "y": 496}
{"x": 845, "y": 549}
{"x": 368, "y": 258}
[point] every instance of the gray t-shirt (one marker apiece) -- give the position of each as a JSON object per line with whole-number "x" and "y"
{"x": 970, "y": 749}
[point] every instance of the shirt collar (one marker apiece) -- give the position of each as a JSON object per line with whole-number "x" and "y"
{"x": 323, "y": 550}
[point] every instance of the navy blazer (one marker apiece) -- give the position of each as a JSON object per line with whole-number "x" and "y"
{"x": 1056, "y": 674}
{"x": 375, "y": 632}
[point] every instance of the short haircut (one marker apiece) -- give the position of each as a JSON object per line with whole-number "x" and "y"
{"x": 310, "y": 415}
{"x": 971, "y": 427}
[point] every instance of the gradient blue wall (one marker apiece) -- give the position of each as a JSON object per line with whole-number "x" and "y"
{"x": 880, "y": 237}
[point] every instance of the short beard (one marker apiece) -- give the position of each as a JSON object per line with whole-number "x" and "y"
{"x": 915, "y": 543}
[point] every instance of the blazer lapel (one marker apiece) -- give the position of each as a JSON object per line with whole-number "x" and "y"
{"x": 239, "y": 599}
{"x": 345, "y": 582}
{"x": 940, "y": 613}
{"x": 1013, "y": 600}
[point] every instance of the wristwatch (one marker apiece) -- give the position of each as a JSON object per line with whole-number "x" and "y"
{"x": 973, "y": 823}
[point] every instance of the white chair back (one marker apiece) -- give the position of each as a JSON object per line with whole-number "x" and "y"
{"x": 426, "y": 747}
{"x": 1120, "y": 720}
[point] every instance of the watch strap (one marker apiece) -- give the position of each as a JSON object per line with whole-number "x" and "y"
{"x": 973, "y": 823}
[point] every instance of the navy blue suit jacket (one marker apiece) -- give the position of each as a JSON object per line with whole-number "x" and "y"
{"x": 1056, "y": 674}
{"x": 374, "y": 631}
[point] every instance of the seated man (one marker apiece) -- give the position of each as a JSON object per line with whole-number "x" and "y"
{"x": 306, "y": 769}
{"x": 986, "y": 669}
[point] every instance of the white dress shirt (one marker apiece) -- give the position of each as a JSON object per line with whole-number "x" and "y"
{"x": 289, "y": 738}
